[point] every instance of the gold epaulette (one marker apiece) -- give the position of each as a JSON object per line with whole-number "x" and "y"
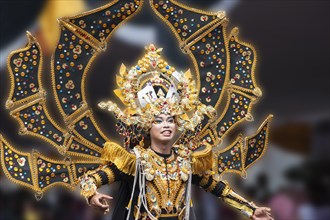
{"x": 124, "y": 160}
{"x": 202, "y": 160}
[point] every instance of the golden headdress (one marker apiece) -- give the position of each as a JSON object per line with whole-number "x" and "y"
{"x": 153, "y": 87}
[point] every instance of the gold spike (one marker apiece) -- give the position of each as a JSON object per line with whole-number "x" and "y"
{"x": 187, "y": 74}
{"x": 249, "y": 117}
{"x": 30, "y": 37}
{"x": 160, "y": 93}
{"x": 118, "y": 93}
{"x": 234, "y": 32}
{"x": 119, "y": 80}
{"x": 122, "y": 70}
{"x": 130, "y": 111}
{"x": 185, "y": 117}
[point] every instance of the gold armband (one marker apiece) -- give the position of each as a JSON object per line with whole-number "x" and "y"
{"x": 238, "y": 202}
{"x": 110, "y": 175}
{"x": 98, "y": 180}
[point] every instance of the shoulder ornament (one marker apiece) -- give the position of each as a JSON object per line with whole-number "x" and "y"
{"x": 124, "y": 160}
{"x": 202, "y": 160}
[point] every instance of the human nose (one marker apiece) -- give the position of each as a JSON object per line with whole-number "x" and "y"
{"x": 166, "y": 124}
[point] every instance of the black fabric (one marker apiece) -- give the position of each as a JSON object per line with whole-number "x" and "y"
{"x": 196, "y": 179}
{"x": 120, "y": 211}
{"x": 209, "y": 182}
{"x": 218, "y": 189}
{"x": 162, "y": 155}
{"x": 103, "y": 176}
{"x": 125, "y": 190}
{"x": 119, "y": 175}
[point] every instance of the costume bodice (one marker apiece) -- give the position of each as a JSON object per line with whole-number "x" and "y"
{"x": 165, "y": 178}
{"x": 166, "y": 181}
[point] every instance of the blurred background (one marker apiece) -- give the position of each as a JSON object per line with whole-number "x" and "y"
{"x": 292, "y": 41}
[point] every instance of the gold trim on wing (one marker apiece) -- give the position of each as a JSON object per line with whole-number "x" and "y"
{"x": 79, "y": 154}
{"x": 10, "y": 103}
{"x": 239, "y": 143}
{"x": 246, "y": 141}
{"x": 70, "y": 184}
{"x": 71, "y": 125}
{"x": 3, "y": 143}
{"x": 32, "y": 161}
{"x": 256, "y": 90}
{"x": 97, "y": 45}
{"x": 246, "y": 117}
{"x": 23, "y": 129}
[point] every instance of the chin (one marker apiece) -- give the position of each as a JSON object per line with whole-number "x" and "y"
{"x": 167, "y": 139}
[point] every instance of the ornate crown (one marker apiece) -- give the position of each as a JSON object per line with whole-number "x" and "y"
{"x": 153, "y": 87}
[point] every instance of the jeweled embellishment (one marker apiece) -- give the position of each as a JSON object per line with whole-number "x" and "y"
{"x": 21, "y": 161}
{"x": 88, "y": 187}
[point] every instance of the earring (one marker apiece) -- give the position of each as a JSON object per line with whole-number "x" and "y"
{"x": 141, "y": 143}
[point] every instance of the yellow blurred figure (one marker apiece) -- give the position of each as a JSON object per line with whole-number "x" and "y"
{"x": 49, "y": 29}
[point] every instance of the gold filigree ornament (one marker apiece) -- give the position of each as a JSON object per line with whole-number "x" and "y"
{"x": 153, "y": 87}
{"x": 88, "y": 186}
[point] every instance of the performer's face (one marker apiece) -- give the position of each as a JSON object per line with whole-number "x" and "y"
{"x": 163, "y": 129}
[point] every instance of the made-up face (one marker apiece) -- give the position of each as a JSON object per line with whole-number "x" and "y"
{"x": 163, "y": 128}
